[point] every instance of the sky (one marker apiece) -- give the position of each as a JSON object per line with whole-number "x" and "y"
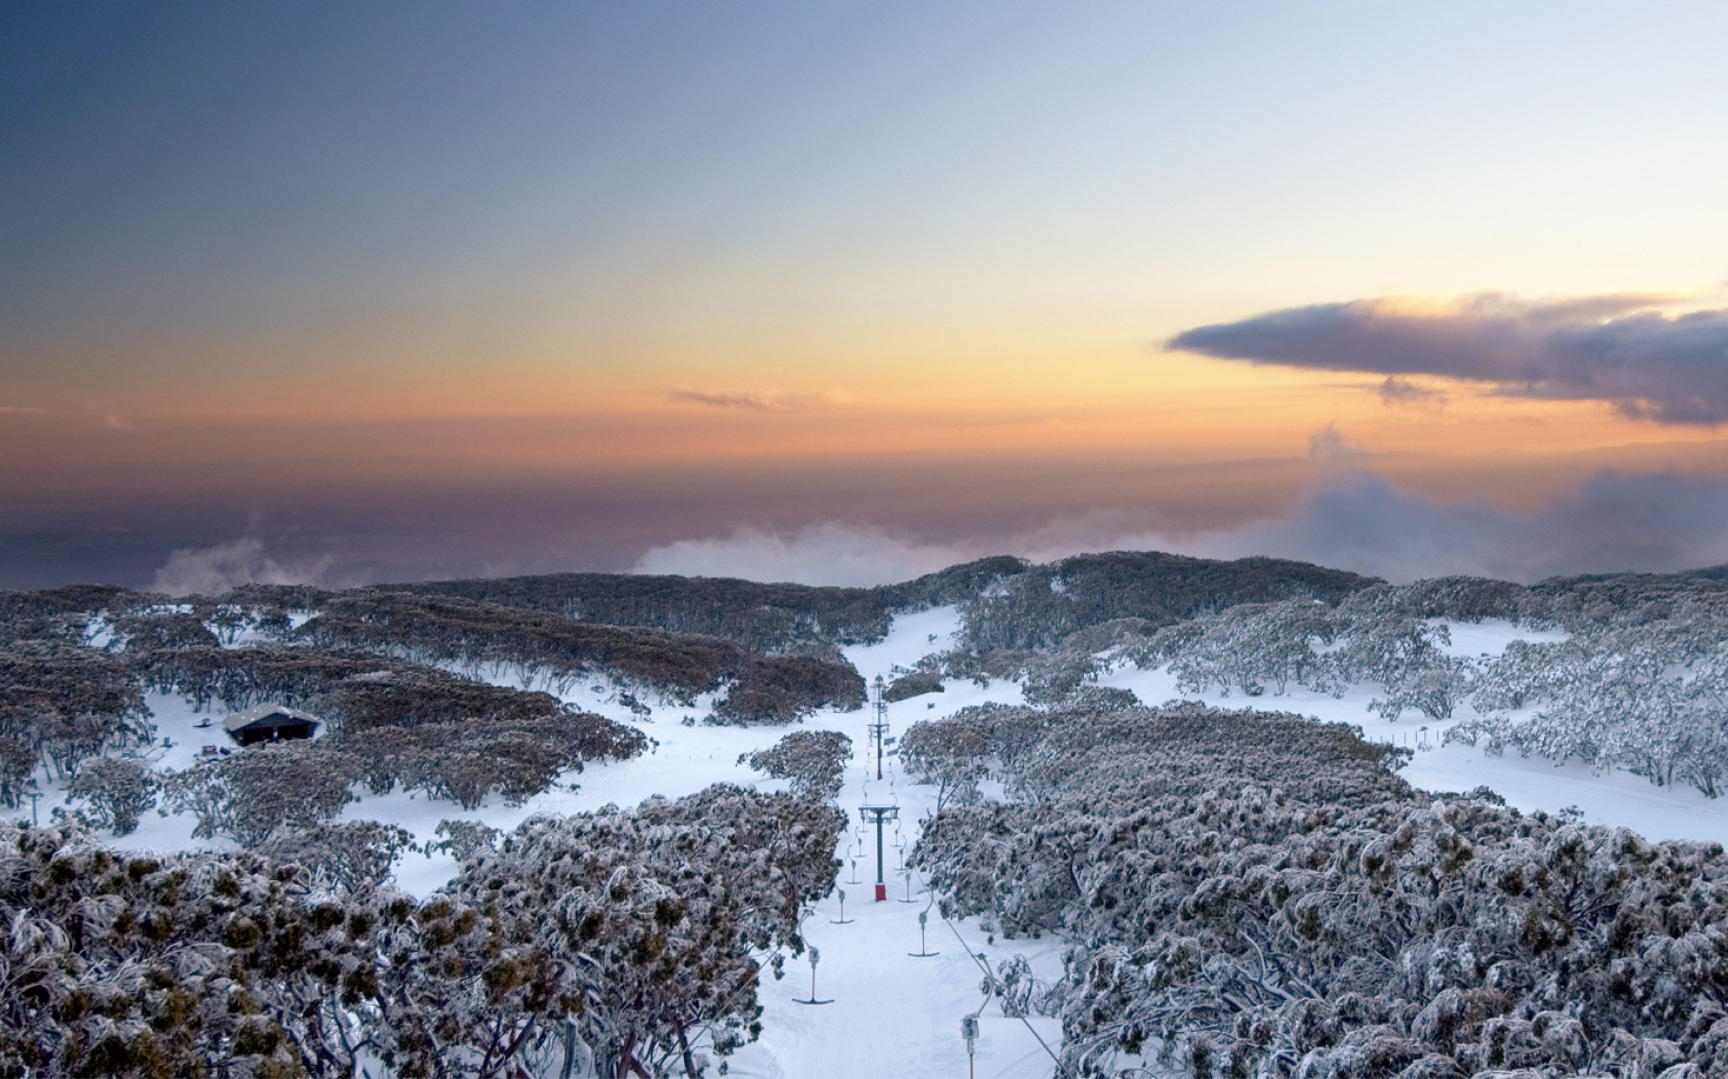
{"x": 838, "y": 292}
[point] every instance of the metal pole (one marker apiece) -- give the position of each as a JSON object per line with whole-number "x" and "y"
{"x": 877, "y": 815}
{"x": 879, "y": 729}
{"x": 878, "y": 850}
{"x": 814, "y": 957}
{"x": 923, "y": 951}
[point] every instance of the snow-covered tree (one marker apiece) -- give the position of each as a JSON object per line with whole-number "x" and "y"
{"x": 951, "y": 754}
{"x": 1253, "y": 647}
{"x": 1434, "y": 689}
{"x": 253, "y": 793}
{"x": 118, "y": 791}
{"x": 350, "y": 857}
{"x": 1646, "y": 690}
{"x": 813, "y": 761}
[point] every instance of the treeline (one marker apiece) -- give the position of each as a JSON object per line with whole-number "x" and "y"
{"x": 1040, "y": 606}
{"x": 767, "y": 618}
{"x": 561, "y": 653}
{"x": 1257, "y": 894}
{"x": 772, "y": 618}
{"x": 1641, "y": 684}
{"x": 392, "y": 723}
{"x": 61, "y": 702}
{"x": 1623, "y": 672}
{"x": 622, "y": 942}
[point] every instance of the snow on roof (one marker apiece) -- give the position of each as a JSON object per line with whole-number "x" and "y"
{"x": 241, "y": 720}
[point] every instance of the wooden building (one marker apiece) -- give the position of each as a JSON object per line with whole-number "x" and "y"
{"x": 270, "y": 723}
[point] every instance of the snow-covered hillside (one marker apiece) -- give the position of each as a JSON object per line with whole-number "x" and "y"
{"x": 1614, "y": 797}
{"x": 887, "y": 1011}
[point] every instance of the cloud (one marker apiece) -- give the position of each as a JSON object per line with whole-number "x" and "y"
{"x": 211, "y": 571}
{"x": 830, "y": 553}
{"x": 101, "y": 416}
{"x": 1348, "y": 518}
{"x": 1612, "y": 522}
{"x": 751, "y": 401}
{"x": 1329, "y": 448}
{"x": 1402, "y": 393}
{"x": 1619, "y": 349}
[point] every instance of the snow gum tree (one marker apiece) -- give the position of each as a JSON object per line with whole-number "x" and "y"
{"x": 1253, "y": 647}
{"x": 1434, "y": 690}
{"x": 255, "y": 792}
{"x": 117, "y": 789}
{"x": 351, "y": 857}
{"x": 1643, "y": 687}
{"x": 63, "y": 702}
{"x": 813, "y": 761}
{"x": 950, "y": 754}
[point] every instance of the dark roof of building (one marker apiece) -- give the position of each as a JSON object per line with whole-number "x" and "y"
{"x": 242, "y": 720}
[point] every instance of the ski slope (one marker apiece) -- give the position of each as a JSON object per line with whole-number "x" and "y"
{"x": 891, "y": 1013}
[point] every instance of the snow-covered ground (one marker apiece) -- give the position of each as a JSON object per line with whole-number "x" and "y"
{"x": 1615, "y": 797}
{"x": 893, "y": 1013}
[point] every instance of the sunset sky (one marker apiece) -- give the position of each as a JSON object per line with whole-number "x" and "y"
{"x": 844, "y": 292}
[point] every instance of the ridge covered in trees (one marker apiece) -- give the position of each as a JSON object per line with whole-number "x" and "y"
{"x": 768, "y": 618}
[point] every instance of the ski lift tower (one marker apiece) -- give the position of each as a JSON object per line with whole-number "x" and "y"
{"x": 879, "y": 729}
{"x": 876, "y": 815}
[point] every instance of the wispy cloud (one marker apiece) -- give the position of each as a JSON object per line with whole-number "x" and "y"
{"x": 211, "y": 571}
{"x": 1620, "y": 349}
{"x": 758, "y": 401}
{"x": 829, "y": 553}
{"x": 1329, "y": 448}
{"x": 1402, "y": 393}
{"x": 102, "y": 416}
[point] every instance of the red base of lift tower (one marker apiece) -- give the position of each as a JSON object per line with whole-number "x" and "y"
{"x": 876, "y": 815}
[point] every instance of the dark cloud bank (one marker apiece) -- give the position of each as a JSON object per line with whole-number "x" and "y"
{"x": 1617, "y": 349}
